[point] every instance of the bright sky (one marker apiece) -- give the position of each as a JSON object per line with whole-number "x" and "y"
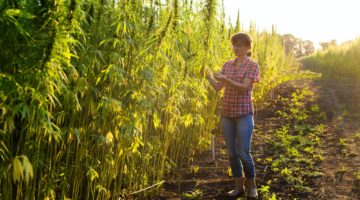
{"x": 314, "y": 20}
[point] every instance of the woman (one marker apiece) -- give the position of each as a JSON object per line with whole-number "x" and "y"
{"x": 237, "y": 78}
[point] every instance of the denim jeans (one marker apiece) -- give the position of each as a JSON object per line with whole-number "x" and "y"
{"x": 237, "y": 134}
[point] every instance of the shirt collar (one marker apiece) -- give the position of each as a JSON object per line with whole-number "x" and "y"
{"x": 244, "y": 61}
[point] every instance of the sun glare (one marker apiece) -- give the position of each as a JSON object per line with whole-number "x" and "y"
{"x": 317, "y": 21}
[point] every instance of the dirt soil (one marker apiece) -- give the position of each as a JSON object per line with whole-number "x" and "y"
{"x": 208, "y": 178}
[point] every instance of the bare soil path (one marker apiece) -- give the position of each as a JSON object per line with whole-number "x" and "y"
{"x": 206, "y": 178}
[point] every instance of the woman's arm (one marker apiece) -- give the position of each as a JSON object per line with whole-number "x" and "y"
{"x": 239, "y": 86}
{"x": 217, "y": 85}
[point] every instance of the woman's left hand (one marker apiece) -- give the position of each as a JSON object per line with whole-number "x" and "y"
{"x": 219, "y": 76}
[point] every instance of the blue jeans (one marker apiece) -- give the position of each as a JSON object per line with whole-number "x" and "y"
{"x": 237, "y": 134}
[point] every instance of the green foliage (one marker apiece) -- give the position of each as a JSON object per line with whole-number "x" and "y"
{"x": 342, "y": 142}
{"x": 196, "y": 194}
{"x": 194, "y": 169}
{"x": 357, "y": 175}
{"x": 356, "y": 135}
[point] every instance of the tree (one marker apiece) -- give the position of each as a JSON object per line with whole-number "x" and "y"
{"x": 308, "y": 47}
{"x": 296, "y": 46}
{"x": 327, "y": 45}
{"x": 289, "y": 42}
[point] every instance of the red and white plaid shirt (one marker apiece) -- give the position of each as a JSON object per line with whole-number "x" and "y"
{"x": 235, "y": 103}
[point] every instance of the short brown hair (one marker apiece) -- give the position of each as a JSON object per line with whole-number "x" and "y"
{"x": 241, "y": 38}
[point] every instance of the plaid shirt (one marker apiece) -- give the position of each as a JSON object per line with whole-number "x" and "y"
{"x": 235, "y": 103}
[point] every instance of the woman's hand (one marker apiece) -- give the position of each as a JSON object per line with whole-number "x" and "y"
{"x": 217, "y": 85}
{"x": 219, "y": 77}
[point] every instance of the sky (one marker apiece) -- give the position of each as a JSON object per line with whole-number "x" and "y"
{"x": 314, "y": 20}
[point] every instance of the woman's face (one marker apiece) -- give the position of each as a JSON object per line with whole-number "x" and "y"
{"x": 240, "y": 49}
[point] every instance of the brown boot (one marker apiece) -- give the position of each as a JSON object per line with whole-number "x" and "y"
{"x": 239, "y": 187}
{"x": 251, "y": 188}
